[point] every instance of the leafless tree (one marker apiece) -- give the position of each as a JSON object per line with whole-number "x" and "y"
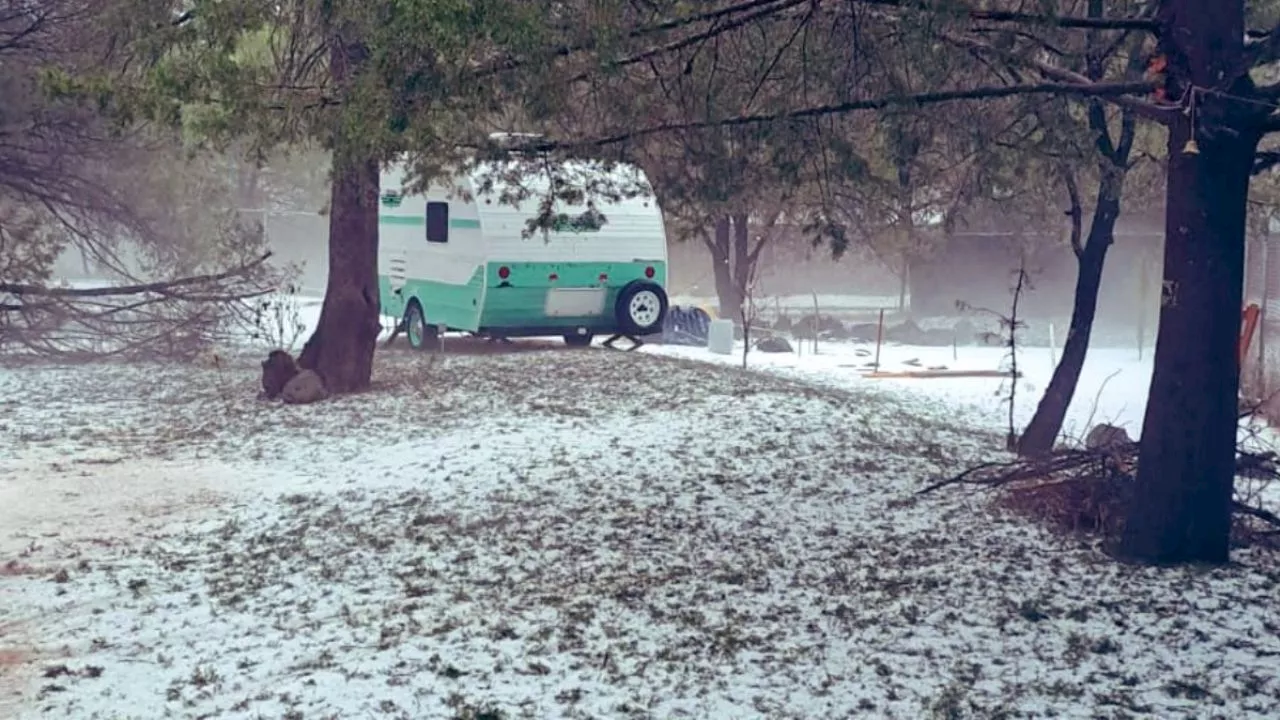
{"x": 127, "y": 198}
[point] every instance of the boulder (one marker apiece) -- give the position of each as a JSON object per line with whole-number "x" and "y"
{"x": 1107, "y": 437}
{"x": 864, "y": 332}
{"x": 833, "y": 328}
{"x": 305, "y": 387}
{"x": 908, "y": 333}
{"x": 937, "y": 337}
{"x": 277, "y": 370}
{"x": 774, "y": 344}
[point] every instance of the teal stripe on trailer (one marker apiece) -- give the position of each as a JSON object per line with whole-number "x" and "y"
{"x": 520, "y": 300}
{"x": 421, "y": 221}
{"x": 454, "y": 306}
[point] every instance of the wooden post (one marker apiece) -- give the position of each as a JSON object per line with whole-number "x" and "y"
{"x": 817, "y": 321}
{"x": 1053, "y": 354}
{"x": 879, "y": 338}
{"x": 1144, "y": 290}
{"x": 1249, "y": 319}
{"x": 1268, "y": 258}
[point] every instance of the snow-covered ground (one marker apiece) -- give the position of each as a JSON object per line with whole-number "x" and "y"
{"x": 531, "y": 531}
{"x": 803, "y": 304}
{"x": 1113, "y": 385}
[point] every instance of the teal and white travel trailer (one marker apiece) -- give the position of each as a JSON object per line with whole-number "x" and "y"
{"x": 462, "y": 261}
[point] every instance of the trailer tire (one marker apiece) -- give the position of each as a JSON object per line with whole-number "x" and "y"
{"x": 641, "y": 307}
{"x": 421, "y": 336}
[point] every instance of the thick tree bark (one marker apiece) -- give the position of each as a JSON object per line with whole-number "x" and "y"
{"x": 735, "y": 258}
{"x": 1113, "y": 150}
{"x": 342, "y": 346}
{"x": 1042, "y": 431}
{"x": 727, "y": 293}
{"x": 1181, "y": 509}
{"x": 743, "y": 263}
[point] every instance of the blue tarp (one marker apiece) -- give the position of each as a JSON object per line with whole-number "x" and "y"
{"x": 685, "y": 326}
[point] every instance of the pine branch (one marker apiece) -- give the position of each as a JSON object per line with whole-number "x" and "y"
{"x": 1114, "y": 91}
{"x": 1021, "y": 18}
{"x": 715, "y": 31}
{"x": 759, "y": 9}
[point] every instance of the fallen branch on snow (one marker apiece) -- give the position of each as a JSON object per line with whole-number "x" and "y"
{"x": 175, "y": 319}
{"x": 1088, "y": 490}
{"x": 163, "y": 287}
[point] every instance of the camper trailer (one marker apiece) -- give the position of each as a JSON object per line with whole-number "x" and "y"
{"x": 455, "y": 259}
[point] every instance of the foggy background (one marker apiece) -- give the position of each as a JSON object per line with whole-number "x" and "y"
{"x": 974, "y": 265}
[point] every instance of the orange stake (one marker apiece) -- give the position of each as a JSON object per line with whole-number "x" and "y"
{"x": 1250, "y": 320}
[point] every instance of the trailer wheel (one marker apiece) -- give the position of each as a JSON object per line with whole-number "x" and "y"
{"x": 575, "y": 340}
{"x": 421, "y": 335}
{"x": 641, "y": 307}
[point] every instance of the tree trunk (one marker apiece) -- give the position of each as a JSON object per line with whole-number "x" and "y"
{"x": 248, "y": 174}
{"x": 342, "y": 346}
{"x": 341, "y": 349}
{"x": 250, "y": 210}
{"x": 727, "y": 292}
{"x": 742, "y": 265}
{"x": 1181, "y": 507}
{"x": 1042, "y": 431}
{"x": 1180, "y": 511}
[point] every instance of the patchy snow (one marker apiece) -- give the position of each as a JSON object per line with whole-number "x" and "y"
{"x": 826, "y": 302}
{"x": 544, "y": 532}
{"x": 1113, "y": 384}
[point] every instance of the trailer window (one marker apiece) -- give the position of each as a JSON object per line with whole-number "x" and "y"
{"x": 438, "y": 222}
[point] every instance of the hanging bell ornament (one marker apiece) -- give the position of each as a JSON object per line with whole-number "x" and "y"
{"x": 1191, "y": 148}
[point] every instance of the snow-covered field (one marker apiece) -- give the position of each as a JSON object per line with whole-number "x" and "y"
{"x": 801, "y": 304}
{"x": 531, "y": 531}
{"x": 1113, "y": 385}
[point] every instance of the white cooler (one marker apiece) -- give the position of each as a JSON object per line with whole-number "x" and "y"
{"x": 720, "y": 337}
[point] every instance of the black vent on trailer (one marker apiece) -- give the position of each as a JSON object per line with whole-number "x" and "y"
{"x": 438, "y": 222}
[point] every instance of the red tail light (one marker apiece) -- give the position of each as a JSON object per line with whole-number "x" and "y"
{"x": 504, "y": 272}
{"x": 649, "y": 272}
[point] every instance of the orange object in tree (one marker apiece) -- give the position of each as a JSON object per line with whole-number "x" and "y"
{"x": 1249, "y": 319}
{"x": 1157, "y": 72}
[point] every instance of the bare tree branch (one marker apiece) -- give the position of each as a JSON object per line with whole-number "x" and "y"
{"x": 165, "y": 286}
{"x": 1150, "y": 111}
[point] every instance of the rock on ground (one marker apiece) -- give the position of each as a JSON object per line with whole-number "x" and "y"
{"x": 305, "y": 387}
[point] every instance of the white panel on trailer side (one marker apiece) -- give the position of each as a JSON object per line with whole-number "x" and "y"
{"x": 633, "y": 228}
{"x": 403, "y": 231}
